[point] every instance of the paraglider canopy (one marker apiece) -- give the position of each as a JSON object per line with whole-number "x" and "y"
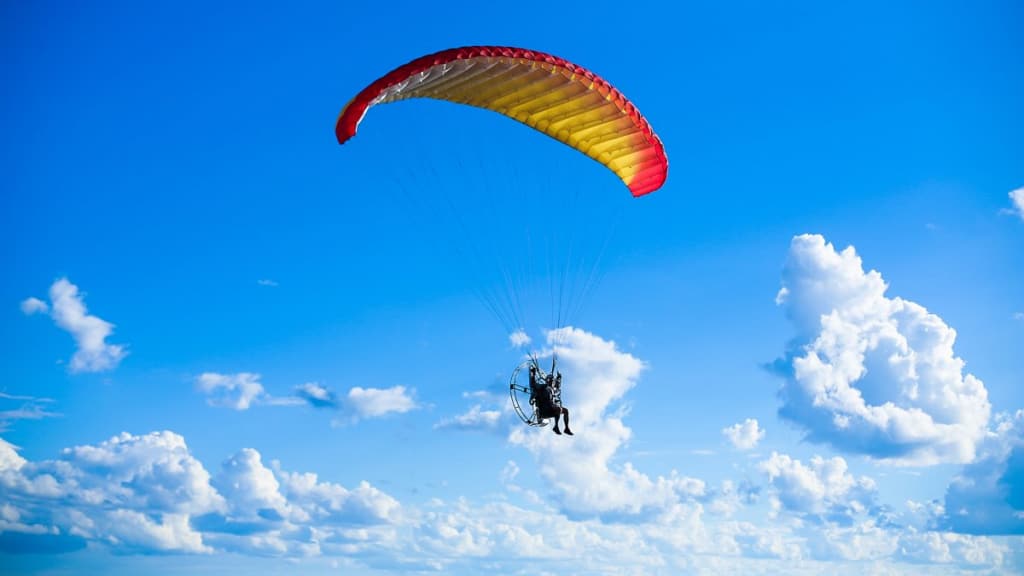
{"x": 567, "y": 102}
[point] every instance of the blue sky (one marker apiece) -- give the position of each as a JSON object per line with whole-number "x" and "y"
{"x": 230, "y": 344}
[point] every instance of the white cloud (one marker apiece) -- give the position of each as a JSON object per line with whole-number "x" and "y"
{"x": 476, "y": 418}
{"x": 951, "y": 548}
{"x": 489, "y": 412}
{"x": 236, "y": 391}
{"x": 822, "y": 490}
{"x": 317, "y": 395}
{"x": 131, "y": 492}
{"x": 745, "y": 435}
{"x": 460, "y": 537}
{"x": 147, "y": 494}
{"x": 326, "y": 503}
{"x": 267, "y": 282}
{"x": 130, "y": 529}
{"x": 375, "y": 402}
{"x": 151, "y": 472}
{"x": 987, "y": 496}
{"x": 26, "y": 408}
{"x": 764, "y": 541}
{"x": 10, "y": 460}
{"x": 30, "y": 306}
{"x": 90, "y": 332}
{"x": 519, "y": 339}
{"x": 244, "y": 390}
{"x": 861, "y": 541}
{"x": 509, "y": 472}
{"x": 870, "y": 374}
{"x": 251, "y": 489}
{"x": 1017, "y": 201}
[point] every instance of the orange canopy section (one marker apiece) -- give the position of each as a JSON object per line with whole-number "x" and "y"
{"x": 563, "y": 100}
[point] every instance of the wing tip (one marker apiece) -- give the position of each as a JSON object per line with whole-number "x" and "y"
{"x": 348, "y": 120}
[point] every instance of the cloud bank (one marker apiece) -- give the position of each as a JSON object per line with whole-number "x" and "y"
{"x": 595, "y": 511}
{"x": 148, "y": 494}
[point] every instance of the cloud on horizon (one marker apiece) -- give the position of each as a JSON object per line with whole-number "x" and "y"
{"x": 596, "y": 511}
{"x": 148, "y": 494}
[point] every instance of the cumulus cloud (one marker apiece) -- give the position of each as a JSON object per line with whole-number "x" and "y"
{"x": 90, "y": 333}
{"x": 987, "y": 496}
{"x": 235, "y": 391}
{"x": 133, "y": 492}
{"x": 745, "y": 435}
{"x": 489, "y": 412}
{"x": 244, "y": 390}
{"x": 476, "y": 418}
{"x": 251, "y": 488}
{"x": 519, "y": 339}
{"x": 331, "y": 504}
{"x": 870, "y": 374}
{"x": 951, "y": 548}
{"x": 316, "y": 395}
{"x": 1017, "y": 202}
{"x": 861, "y": 541}
{"x": 30, "y": 306}
{"x": 376, "y": 402}
{"x": 10, "y": 460}
{"x": 241, "y": 391}
{"x": 822, "y": 490}
{"x": 579, "y": 470}
{"x": 267, "y": 282}
{"x": 148, "y": 494}
{"x": 152, "y": 472}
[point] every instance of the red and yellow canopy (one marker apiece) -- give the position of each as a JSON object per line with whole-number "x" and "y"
{"x": 563, "y": 100}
